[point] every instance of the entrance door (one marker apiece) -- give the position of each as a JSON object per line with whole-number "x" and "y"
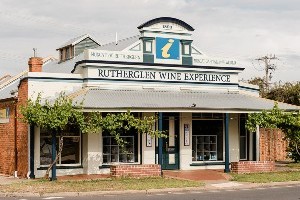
{"x": 170, "y": 144}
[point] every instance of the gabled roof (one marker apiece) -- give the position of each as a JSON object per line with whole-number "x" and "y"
{"x": 167, "y": 19}
{"x": 4, "y": 78}
{"x": 63, "y": 67}
{"x": 76, "y": 40}
{"x": 121, "y": 45}
{"x": 9, "y": 91}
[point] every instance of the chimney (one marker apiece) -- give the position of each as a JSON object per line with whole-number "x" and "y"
{"x": 35, "y": 64}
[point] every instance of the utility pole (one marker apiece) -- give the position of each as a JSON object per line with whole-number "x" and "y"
{"x": 269, "y": 68}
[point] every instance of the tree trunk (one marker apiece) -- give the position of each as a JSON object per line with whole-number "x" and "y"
{"x": 61, "y": 143}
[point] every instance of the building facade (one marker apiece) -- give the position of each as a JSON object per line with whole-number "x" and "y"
{"x": 198, "y": 100}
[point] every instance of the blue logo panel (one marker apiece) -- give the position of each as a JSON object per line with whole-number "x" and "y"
{"x": 167, "y": 48}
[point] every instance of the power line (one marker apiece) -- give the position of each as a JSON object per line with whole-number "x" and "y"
{"x": 269, "y": 68}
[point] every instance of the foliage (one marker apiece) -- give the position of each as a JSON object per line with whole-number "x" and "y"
{"x": 50, "y": 115}
{"x": 261, "y": 83}
{"x": 115, "y": 123}
{"x": 58, "y": 114}
{"x": 287, "y": 93}
{"x": 288, "y": 122}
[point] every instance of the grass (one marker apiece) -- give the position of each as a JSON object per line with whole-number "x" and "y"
{"x": 294, "y": 165}
{"x": 43, "y": 186}
{"x": 267, "y": 177}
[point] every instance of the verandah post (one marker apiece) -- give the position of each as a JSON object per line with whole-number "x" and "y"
{"x": 227, "y": 169}
{"x": 160, "y": 140}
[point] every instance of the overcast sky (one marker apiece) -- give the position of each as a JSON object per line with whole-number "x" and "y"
{"x": 238, "y": 29}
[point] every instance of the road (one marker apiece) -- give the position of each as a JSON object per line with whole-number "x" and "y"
{"x": 286, "y": 192}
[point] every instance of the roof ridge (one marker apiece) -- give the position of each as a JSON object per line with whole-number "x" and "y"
{"x": 14, "y": 78}
{"x": 121, "y": 40}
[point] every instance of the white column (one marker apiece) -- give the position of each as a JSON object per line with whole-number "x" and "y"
{"x": 148, "y": 150}
{"x": 250, "y": 145}
{"x": 257, "y": 143}
{"x": 185, "y": 152}
{"x": 92, "y": 153}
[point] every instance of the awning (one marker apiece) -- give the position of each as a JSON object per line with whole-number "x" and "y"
{"x": 174, "y": 101}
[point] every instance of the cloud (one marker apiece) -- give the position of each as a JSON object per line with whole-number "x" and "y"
{"x": 244, "y": 30}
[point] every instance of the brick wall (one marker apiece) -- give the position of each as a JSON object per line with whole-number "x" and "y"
{"x": 117, "y": 171}
{"x": 252, "y": 166}
{"x": 7, "y": 153}
{"x": 272, "y": 145}
{"x": 22, "y": 136}
{"x": 35, "y": 64}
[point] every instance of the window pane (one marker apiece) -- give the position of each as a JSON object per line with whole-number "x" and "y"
{"x": 186, "y": 49}
{"x": 71, "y": 151}
{"x": 45, "y": 150}
{"x": 243, "y": 146}
{"x": 207, "y": 140}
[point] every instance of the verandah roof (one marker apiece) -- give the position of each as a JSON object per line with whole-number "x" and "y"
{"x": 174, "y": 101}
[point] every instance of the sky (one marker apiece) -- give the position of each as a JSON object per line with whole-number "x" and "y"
{"x": 244, "y": 30}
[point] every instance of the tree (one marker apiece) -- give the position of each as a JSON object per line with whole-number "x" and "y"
{"x": 58, "y": 114}
{"x": 287, "y": 93}
{"x": 261, "y": 83}
{"x": 288, "y": 122}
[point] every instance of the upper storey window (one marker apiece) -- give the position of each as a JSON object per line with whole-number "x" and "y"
{"x": 76, "y": 46}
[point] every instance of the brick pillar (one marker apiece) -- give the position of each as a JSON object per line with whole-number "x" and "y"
{"x": 35, "y": 64}
{"x": 22, "y": 131}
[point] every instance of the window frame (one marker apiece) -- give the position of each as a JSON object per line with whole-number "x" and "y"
{"x": 57, "y": 147}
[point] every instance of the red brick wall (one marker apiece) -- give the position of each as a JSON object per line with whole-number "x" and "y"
{"x": 22, "y": 136}
{"x": 272, "y": 145}
{"x": 150, "y": 170}
{"x": 252, "y": 166}
{"x": 7, "y": 153}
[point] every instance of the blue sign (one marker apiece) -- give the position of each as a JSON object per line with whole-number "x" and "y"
{"x": 167, "y": 48}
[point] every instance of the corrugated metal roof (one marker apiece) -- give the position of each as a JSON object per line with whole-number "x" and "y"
{"x": 5, "y": 93}
{"x": 155, "y": 100}
{"x": 122, "y": 44}
{"x": 63, "y": 67}
{"x": 77, "y": 40}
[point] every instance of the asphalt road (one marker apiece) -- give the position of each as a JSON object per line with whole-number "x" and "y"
{"x": 286, "y": 192}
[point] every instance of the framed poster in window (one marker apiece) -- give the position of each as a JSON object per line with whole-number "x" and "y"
{"x": 186, "y": 135}
{"x": 148, "y": 140}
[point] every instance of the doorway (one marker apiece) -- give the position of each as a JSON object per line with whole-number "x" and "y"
{"x": 170, "y": 156}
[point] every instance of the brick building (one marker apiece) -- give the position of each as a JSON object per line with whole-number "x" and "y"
{"x": 199, "y": 101}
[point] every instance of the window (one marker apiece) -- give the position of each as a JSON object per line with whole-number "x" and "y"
{"x": 148, "y": 46}
{"x": 114, "y": 153}
{"x": 207, "y": 140}
{"x": 67, "y": 53}
{"x": 186, "y": 48}
{"x": 243, "y": 137}
{"x": 71, "y": 153}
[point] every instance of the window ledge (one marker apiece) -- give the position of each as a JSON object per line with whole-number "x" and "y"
{"x": 62, "y": 167}
{"x": 207, "y": 163}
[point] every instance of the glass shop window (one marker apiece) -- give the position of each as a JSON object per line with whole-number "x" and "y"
{"x": 114, "y": 153}
{"x": 71, "y": 152}
{"x": 207, "y": 140}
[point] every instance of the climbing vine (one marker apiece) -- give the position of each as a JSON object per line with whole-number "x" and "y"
{"x": 57, "y": 114}
{"x": 288, "y": 122}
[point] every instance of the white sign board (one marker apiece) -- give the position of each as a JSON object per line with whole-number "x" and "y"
{"x": 111, "y": 73}
{"x": 91, "y": 54}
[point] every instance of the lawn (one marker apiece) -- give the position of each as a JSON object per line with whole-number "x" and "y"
{"x": 267, "y": 177}
{"x": 43, "y": 186}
